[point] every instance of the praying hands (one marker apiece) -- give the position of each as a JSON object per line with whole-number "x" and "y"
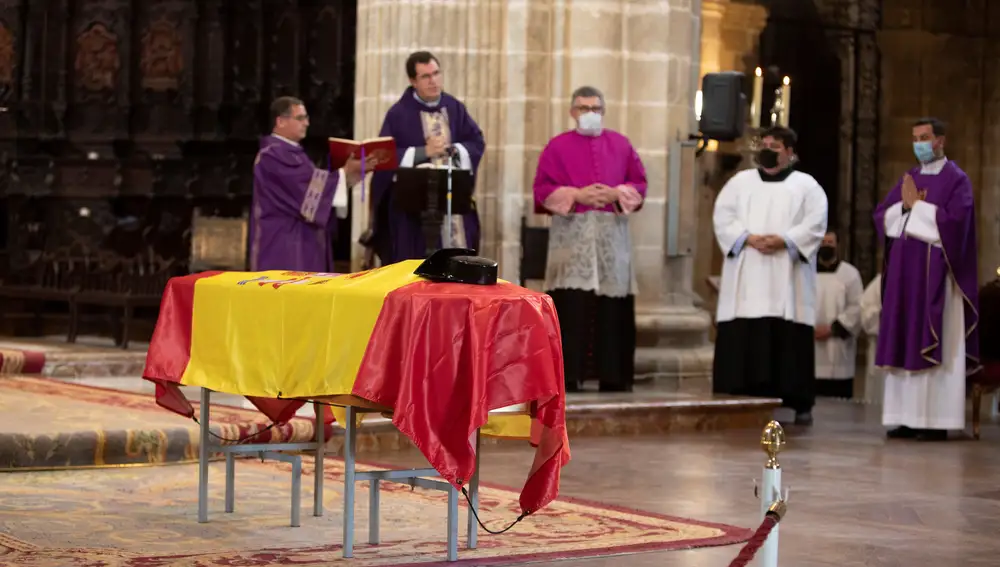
{"x": 910, "y": 193}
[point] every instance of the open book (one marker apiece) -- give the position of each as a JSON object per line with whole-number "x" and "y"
{"x": 382, "y": 150}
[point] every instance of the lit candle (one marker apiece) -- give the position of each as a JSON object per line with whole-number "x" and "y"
{"x": 786, "y": 101}
{"x": 758, "y": 98}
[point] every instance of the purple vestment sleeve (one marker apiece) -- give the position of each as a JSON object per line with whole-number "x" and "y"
{"x": 547, "y": 177}
{"x": 468, "y": 134}
{"x": 294, "y": 185}
{"x": 894, "y": 196}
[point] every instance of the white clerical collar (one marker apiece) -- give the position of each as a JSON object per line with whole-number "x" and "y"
{"x": 427, "y": 103}
{"x": 934, "y": 167}
{"x": 286, "y": 140}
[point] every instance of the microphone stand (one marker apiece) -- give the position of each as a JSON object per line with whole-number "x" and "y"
{"x": 446, "y": 242}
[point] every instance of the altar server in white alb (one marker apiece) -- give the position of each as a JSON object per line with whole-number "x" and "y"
{"x": 769, "y": 223}
{"x": 838, "y": 321}
{"x": 871, "y": 312}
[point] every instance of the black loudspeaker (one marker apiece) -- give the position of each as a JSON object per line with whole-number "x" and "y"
{"x": 723, "y": 106}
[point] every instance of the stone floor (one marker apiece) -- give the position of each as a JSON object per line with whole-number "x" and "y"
{"x": 855, "y": 499}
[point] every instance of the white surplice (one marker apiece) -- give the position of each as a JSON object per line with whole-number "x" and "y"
{"x": 871, "y": 315}
{"x": 756, "y": 285}
{"x": 933, "y": 398}
{"x": 839, "y": 301}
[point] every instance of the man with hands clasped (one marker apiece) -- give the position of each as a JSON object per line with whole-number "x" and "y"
{"x": 590, "y": 179}
{"x": 769, "y": 223}
{"x": 928, "y": 338}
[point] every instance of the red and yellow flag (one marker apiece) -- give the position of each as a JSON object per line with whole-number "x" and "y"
{"x": 443, "y": 356}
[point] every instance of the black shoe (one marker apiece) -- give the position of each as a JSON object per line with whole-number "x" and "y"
{"x": 615, "y": 388}
{"x": 902, "y": 432}
{"x": 804, "y": 418}
{"x": 932, "y": 435}
{"x": 573, "y": 387}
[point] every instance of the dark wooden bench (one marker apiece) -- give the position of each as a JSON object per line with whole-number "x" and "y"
{"x": 122, "y": 284}
{"x": 55, "y": 277}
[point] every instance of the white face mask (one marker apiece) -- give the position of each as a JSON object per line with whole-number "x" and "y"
{"x": 590, "y": 124}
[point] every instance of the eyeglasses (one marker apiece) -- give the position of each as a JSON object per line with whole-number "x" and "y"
{"x": 427, "y": 76}
{"x": 583, "y": 108}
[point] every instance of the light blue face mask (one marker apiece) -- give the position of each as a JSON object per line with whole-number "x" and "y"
{"x": 924, "y": 151}
{"x": 590, "y": 124}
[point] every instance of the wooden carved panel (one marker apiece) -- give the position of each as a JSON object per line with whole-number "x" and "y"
{"x": 328, "y": 84}
{"x": 244, "y": 109}
{"x": 132, "y": 114}
{"x": 97, "y": 62}
{"x": 100, "y": 51}
{"x": 164, "y": 78}
{"x": 284, "y": 48}
{"x": 42, "y": 106}
{"x": 7, "y": 49}
{"x": 210, "y": 82}
{"x": 10, "y": 33}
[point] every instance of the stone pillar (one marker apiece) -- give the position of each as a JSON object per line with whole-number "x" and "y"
{"x": 515, "y": 65}
{"x": 477, "y": 43}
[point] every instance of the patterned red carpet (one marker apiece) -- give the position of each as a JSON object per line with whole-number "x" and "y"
{"x": 146, "y": 517}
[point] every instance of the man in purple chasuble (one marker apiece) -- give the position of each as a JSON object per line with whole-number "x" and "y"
{"x": 770, "y": 223}
{"x": 430, "y": 127}
{"x": 291, "y": 223}
{"x": 928, "y": 340}
{"x": 590, "y": 180}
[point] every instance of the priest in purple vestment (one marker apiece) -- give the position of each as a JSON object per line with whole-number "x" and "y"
{"x": 292, "y": 222}
{"x": 928, "y": 340}
{"x": 590, "y": 180}
{"x": 430, "y": 127}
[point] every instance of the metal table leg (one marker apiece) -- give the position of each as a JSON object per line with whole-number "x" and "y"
{"x": 230, "y": 482}
{"x": 373, "y": 503}
{"x": 318, "y": 464}
{"x": 203, "y": 452}
{"x": 473, "y": 525}
{"x": 296, "y": 462}
{"x": 452, "y": 523}
{"x": 423, "y": 478}
{"x": 350, "y": 437}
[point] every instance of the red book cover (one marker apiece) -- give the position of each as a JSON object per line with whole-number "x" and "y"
{"x": 380, "y": 150}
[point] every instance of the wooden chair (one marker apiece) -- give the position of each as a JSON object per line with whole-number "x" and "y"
{"x": 987, "y": 380}
{"x": 534, "y": 252}
{"x": 218, "y": 243}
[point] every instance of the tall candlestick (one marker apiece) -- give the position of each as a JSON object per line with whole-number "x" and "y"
{"x": 758, "y": 98}
{"x": 786, "y": 101}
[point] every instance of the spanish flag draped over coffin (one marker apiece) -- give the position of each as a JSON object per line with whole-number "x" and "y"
{"x": 441, "y": 355}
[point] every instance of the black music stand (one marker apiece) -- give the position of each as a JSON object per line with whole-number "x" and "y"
{"x": 423, "y": 192}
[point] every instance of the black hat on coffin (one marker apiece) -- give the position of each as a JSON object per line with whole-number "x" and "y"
{"x": 458, "y": 265}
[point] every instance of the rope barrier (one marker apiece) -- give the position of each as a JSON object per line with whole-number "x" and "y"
{"x": 771, "y": 519}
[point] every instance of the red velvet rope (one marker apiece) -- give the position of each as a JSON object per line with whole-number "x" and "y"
{"x": 756, "y": 541}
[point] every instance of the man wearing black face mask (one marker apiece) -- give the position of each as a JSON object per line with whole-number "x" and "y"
{"x": 769, "y": 223}
{"x": 838, "y": 320}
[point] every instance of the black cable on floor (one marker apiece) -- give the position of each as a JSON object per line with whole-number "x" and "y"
{"x": 236, "y": 441}
{"x": 480, "y": 522}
